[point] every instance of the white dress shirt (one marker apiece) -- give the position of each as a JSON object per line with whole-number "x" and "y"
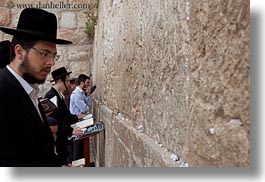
{"x": 78, "y": 102}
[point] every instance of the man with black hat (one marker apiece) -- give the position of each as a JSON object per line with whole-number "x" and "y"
{"x": 4, "y": 53}
{"x": 25, "y": 136}
{"x": 67, "y": 93}
{"x": 62, "y": 114}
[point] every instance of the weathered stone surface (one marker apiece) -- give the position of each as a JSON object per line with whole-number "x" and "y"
{"x": 3, "y": 3}
{"x": 5, "y": 17}
{"x": 177, "y": 69}
{"x": 15, "y": 12}
{"x": 79, "y": 68}
{"x": 7, "y": 37}
{"x": 79, "y": 53}
{"x": 29, "y": 2}
{"x": 219, "y": 88}
{"x": 107, "y": 117}
{"x": 68, "y": 20}
{"x": 81, "y": 1}
{"x": 82, "y": 19}
{"x": 77, "y": 36}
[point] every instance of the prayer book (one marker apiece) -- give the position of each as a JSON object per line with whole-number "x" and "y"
{"x": 89, "y": 130}
{"x": 47, "y": 105}
{"x": 78, "y": 163}
{"x": 83, "y": 124}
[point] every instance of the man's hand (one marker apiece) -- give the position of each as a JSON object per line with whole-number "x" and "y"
{"x": 78, "y": 131}
{"x": 87, "y": 90}
{"x": 80, "y": 116}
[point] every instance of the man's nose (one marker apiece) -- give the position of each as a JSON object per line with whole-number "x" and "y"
{"x": 51, "y": 62}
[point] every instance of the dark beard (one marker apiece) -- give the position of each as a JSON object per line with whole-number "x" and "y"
{"x": 31, "y": 79}
{"x": 26, "y": 70}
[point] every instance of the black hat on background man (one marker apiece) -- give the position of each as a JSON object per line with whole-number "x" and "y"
{"x": 73, "y": 80}
{"x": 4, "y": 53}
{"x": 59, "y": 73}
{"x": 36, "y": 24}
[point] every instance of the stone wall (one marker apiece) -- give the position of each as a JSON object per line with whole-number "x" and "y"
{"x": 71, "y": 16}
{"x": 172, "y": 78}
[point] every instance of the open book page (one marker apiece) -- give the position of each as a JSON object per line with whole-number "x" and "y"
{"x": 54, "y": 100}
{"x": 83, "y": 124}
{"x": 78, "y": 163}
{"x": 88, "y": 116}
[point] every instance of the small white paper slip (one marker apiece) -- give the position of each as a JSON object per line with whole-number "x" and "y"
{"x": 78, "y": 163}
{"x": 88, "y": 116}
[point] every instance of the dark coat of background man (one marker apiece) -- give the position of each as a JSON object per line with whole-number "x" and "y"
{"x": 4, "y": 53}
{"x": 62, "y": 115}
{"x": 25, "y": 136}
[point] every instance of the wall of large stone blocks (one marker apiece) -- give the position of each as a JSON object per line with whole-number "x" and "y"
{"x": 71, "y": 16}
{"x": 173, "y": 80}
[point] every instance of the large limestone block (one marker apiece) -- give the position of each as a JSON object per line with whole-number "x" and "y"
{"x": 5, "y": 17}
{"x": 79, "y": 68}
{"x": 68, "y": 20}
{"x": 79, "y": 53}
{"x": 77, "y": 36}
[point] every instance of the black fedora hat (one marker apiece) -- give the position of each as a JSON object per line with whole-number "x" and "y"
{"x": 38, "y": 24}
{"x": 59, "y": 73}
{"x": 73, "y": 80}
{"x": 4, "y": 53}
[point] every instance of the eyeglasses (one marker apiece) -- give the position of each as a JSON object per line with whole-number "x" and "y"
{"x": 47, "y": 54}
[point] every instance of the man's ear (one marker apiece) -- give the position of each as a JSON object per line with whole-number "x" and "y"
{"x": 60, "y": 81}
{"x": 19, "y": 52}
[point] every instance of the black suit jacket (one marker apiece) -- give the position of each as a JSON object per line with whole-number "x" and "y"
{"x": 62, "y": 114}
{"x": 64, "y": 119}
{"x": 25, "y": 140}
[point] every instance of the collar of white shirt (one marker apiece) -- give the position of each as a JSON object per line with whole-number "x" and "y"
{"x": 78, "y": 89}
{"x": 27, "y": 87}
{"x": 61, "y": 95}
